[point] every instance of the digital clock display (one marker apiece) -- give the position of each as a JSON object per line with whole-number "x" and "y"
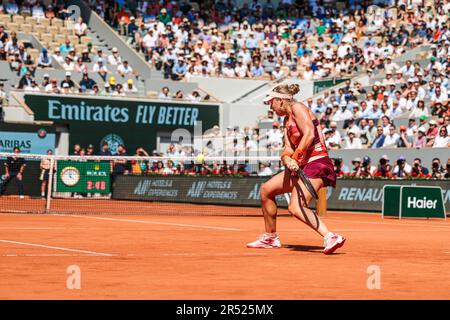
{"x": 96, "y": 185}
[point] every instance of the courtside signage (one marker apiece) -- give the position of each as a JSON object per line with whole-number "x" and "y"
{"x": 83, "y": 177}
{"x": 413, "y": 201}
{"x": 356, "y": 195}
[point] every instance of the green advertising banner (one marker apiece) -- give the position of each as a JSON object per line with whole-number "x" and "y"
{"x": 420, "y": 201}
{"x": 325, "y": 84}
{"x": 413, "y": 201}
{"x": 134, "y": 123}
{"x": 83, "y": 176}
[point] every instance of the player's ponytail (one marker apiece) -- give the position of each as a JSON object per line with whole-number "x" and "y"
{"x": 291, "y": 89}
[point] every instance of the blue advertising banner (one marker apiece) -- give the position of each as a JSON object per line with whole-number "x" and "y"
{"x": 37, "y": 142}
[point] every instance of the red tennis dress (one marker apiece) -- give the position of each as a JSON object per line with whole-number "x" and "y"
{"x": 315, "y": 162}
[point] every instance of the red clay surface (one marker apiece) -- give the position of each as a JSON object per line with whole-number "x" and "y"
{"x": 204, "y": 257}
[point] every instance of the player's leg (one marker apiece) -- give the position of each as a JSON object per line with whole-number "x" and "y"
{"x": 298, "y": 207}
{"x": 278, "y": 184}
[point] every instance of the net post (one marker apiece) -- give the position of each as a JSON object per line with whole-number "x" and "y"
{"x": 321, "y": 206}
{"x": 50, "y": 183}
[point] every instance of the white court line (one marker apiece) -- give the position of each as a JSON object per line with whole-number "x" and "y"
{"x": 153, "y": 222}
{"x": 224, "y": 254}
{"x": 366, "y": 230}
{"x": 39, "y": 255}
{"x": 57, "y": 248}
{"x": 40, "y": 228}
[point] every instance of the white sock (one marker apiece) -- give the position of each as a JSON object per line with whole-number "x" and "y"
{"x": 43, "y": 194}
{"x": 328, "y": 235}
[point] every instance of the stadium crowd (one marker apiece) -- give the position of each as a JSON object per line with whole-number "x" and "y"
{"x": 359, "y": 168}
{"x": 309, "y": 39}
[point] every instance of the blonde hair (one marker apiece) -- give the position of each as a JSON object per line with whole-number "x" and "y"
{"x": 291, "y": 89}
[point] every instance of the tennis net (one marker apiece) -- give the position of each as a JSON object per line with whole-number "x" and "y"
{"x": 135, "y": 185}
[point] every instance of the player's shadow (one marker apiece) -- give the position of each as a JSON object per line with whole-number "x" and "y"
{"x": 305, "y": 248}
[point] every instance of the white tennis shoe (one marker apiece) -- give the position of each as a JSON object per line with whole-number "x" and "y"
{"x": 332, "y": 242}
{"x": 266, "y": 241}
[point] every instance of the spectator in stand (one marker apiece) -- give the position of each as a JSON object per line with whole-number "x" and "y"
{"x": 53, "y": 87}
{"x": 340, "y": 168}
{"x": 432, "y": 133}
{"x": 80, "y": 29}
{"x": 33, "y": 88}
{"x": 133, "y": 32}
{"x": 418, "y": 170}
{"x": 80, "y": 66}
{"x": 107, "y": 90}
{"x": 37, "y": 11}
{"x": 101, "y": 69}
{"x": 28, "y": 65}
{"x": 11, "y": 8}
{"x": 25, "y": 80}
{"x": 44, "y": 60}
{"x": 124, "y": 69}
{"x": 137, "y": 166}
{"x": 119, "y": 90}
{"x": 437, "y": 171}
{"x": 367, "y": 170}
{"x": 68, "y": 64}
{"x": 85, "y": 58}
{"x": 104, "y": 150}
{"x": 66, "y": 89}
{"x": 447, "y": 170}
{"x": 257, "y": 70}
{"x": 66, "y": 47}
{"x": 402, "y": 169}
{"x": 15, "y": 64}
{"x": 12, "y": 45}
{"x": 383, "y": 168}
{"x": 164, "y": 94}
{"x": 420, "y": 141}
{"x": 50, "y": 12}
{"x": 351, "y": 141}
{"x": 90, "y": 150}
{"x": 379, "y": 139}
{"x": 114, "y": 58}
{"x": 87, "y": 82}
{"x": 120, "y": 167}
{"x": 404, "y": 141}
{"x": 391, "y": 138}
{"x": 130, "y": 88}
{"x": 68, "y": 80}
{"x": 356, "y": 170}
{"x": 443, "y": 139}
{"x": 179, "y": 69}
{"x": 57, "y": 56}
{"x": 194, "y": 96}
{"x": 99, "y": 55}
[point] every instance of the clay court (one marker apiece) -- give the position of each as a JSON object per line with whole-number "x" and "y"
{"x": 165, "y": 256}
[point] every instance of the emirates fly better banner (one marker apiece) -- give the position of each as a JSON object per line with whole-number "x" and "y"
{"x": 134, "y": 123}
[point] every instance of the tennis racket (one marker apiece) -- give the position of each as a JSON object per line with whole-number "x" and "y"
{"x": 299, "y": 172}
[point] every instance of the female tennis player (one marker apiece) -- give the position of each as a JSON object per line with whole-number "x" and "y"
{"x": 304, "y": 148}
